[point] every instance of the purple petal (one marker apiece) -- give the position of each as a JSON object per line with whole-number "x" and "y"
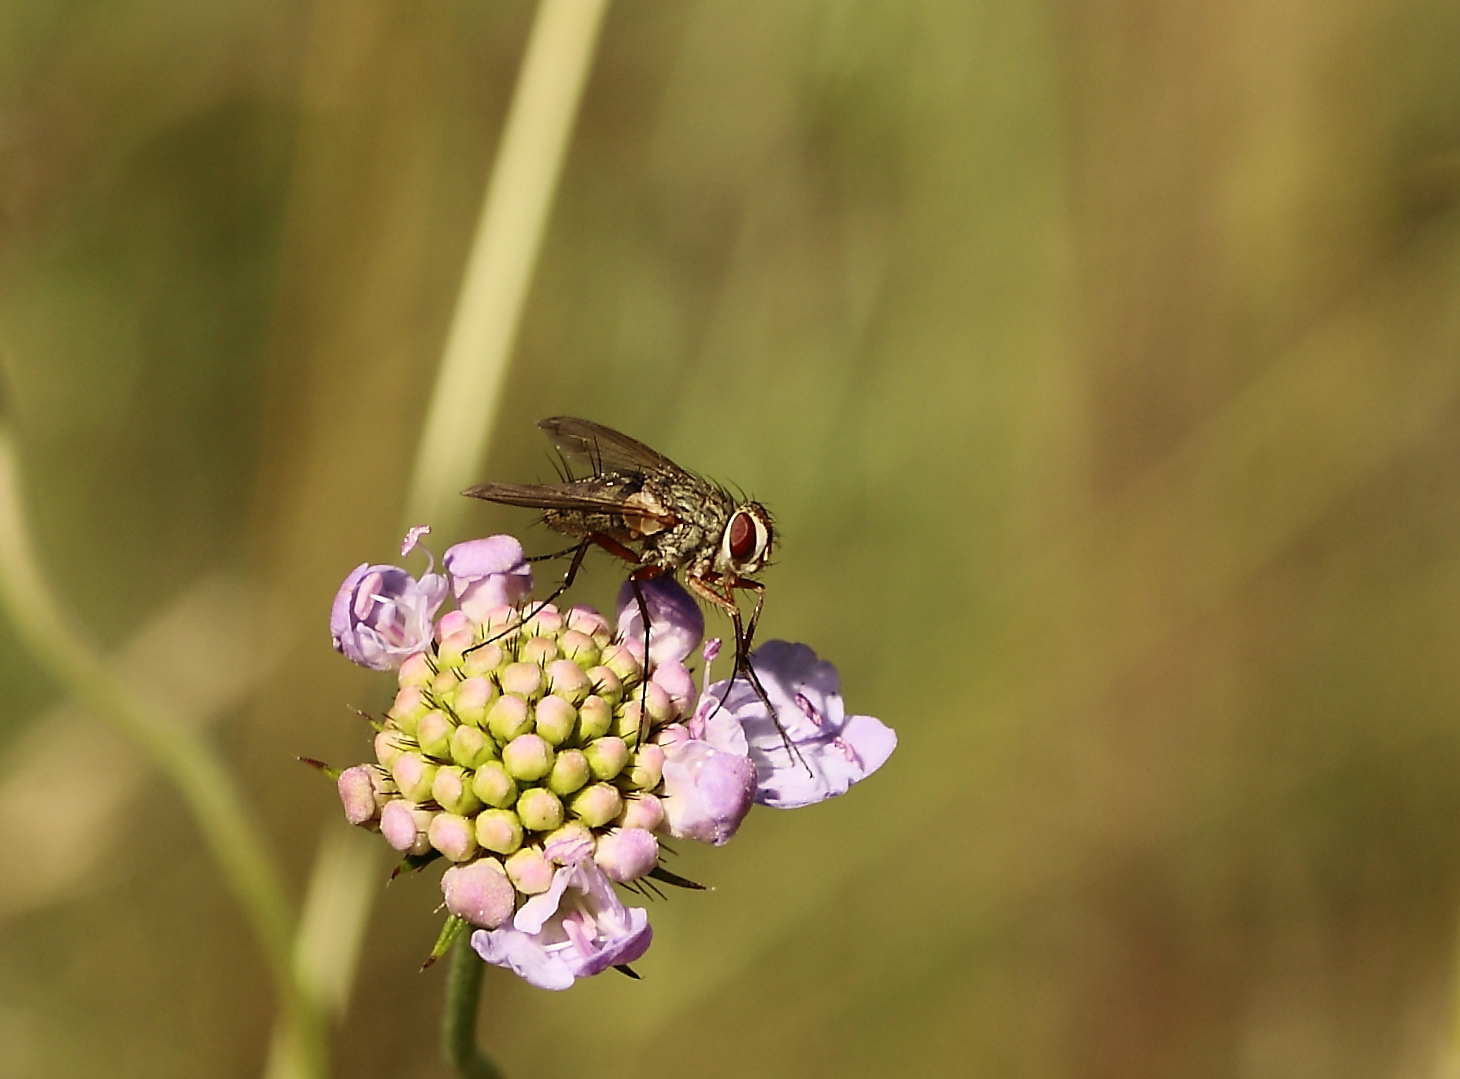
{"x": 576, "y": 929}
{"x": 831, "y": 751}
{"x": 676, "y": 623}
{"x": 707, "y": 791}
{"x": 488, "y": 573}
{"x": 382, "y": 614}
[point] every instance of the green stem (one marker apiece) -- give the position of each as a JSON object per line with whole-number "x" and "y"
{"x": 207, "y": 788}
{"x": 459, "y": 1024}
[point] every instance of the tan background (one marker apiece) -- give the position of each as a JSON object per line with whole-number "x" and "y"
{"x": 1101, "y": 362}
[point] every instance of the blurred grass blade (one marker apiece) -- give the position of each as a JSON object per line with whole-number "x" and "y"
{"x": 503, "y": 254}
{"x": 170, "y": 741}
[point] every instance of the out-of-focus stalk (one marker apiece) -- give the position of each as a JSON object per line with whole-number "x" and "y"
{"x": 458, "y": 426}
{"x": 206, "y": 786}
{"x": 503, "y": 255}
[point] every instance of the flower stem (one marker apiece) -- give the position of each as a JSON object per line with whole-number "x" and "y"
{"x": 172, "y": 743}
{"x": 459, "y": 1024}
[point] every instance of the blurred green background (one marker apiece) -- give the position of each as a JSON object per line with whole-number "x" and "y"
{"x": 1100, "y": 360}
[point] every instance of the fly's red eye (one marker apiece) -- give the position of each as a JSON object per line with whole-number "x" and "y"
{"x": 742, "y": 537}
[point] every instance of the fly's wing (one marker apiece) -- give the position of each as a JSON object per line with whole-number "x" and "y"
{"x": 605, "y": 449}
{"x": 559, "y": 496}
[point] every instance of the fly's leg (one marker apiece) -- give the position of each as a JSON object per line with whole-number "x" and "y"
{"x": 578, "y": 551}
{"x": 634, "y": 579}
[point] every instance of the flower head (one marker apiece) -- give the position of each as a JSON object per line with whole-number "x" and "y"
{"x": 545, "y": 755}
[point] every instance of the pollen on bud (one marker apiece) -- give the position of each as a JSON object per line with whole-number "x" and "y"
{"x": 433, "y": 734}
{"x": 627, "y": 854}
{"x": 606, "y": 684}
{"x": 452, "y": 791}
{"x": 521, "y": 679}
{"x": 646, "y": 768}
{"x": 450, "y": 623}
{"x": 588, "y": 621}
{"x": 471, "y": 698}
{"x": 508, "y": 717}
{"x": 452, "y": 650}
{"x": 546, "y": 621}
{"x": 595, "y": 806}
{"x": 390, "y": 744}
{"x": 479, "y": 892}
{"x": 568, "y": 680}
{"x": 416, "y": 670}
{"x": 641, "y": 811}
{"x": 453, "y": 835}
{"x": 555, "y": 719}
{"x": 595, "y": 717}
{"x": 620, "y": 659}
{"x": 539, "y": 651}
{"x": 579, "y": 647}
{"x": 483, "y": 660}
{"x": 527, "y": 757}
{"x": 499, "y": 830}
{"x": 540, "y": 809}
{"x": 470, "y": 748}
{"x": 360, "y": 792}
{"x": 413, "y": 775}
{"x": 570, "y": 772}
{"x": 607, "y": 756}
{"x": 530, "y": 871}
{"x": 494, "y": 786}
{"x": 404, "y": 827}
{"x": 410, "y": 705}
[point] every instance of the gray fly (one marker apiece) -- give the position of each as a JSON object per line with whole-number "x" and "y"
{"x": 641, "y": 507}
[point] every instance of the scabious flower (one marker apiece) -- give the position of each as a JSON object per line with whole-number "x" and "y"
{"x": 543, "y": 752}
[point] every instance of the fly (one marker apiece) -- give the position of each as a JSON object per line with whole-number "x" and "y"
{"x": 641, "y": 507}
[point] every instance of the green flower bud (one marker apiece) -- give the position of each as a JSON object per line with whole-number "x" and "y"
{"x": 606, "y": 756}
{"x": 445, "y": 683}
{"x": 413, "y": 776}
{"x": 521, "y": 679}
{"x": 416, "y": 671}
{"x": 499, "y": 830}
{"x": 570, "y": 772}
{"x": 454, "y": 836}
{"x": 471, "y": 699}
{"x": 538, "y": 650}
{"x": 508, "y": 717}
{"x": 629, "y": 723}
{"x": 546, "y": 621}
{"x": 659, "y": 705}
{"x": 595, "y": 717}
{"x": 567, "y": 680}
{"x": 527, "y": 757}
{"x": 451, "y": 651}
{"x": 433, "y": 734}
{"x": 452, "y": 790}
{"x": 595, "y": 806}
{"x": 470, "y": 748}
{"x": 530, "y": 871}
{"x": 494, "y": 786}
{"x": 646, "y": 768}
{"x": 483, "y": 660}
{"x": 606, "y": 684}
{"x": 539, "y": 809}
{"x": 622, "y": 662}
{"x": 555, "y": 718}
{"x": 390, "y": 744}
{"x": 580, "y": 648}
{"x": 410, "y": 705}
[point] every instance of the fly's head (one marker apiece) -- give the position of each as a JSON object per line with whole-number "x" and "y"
{"x": 745, "y": 545}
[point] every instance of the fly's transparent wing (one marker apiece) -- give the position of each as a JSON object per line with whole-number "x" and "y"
{"x": 607, "y": 450}
{"x": 583, "y": 495}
